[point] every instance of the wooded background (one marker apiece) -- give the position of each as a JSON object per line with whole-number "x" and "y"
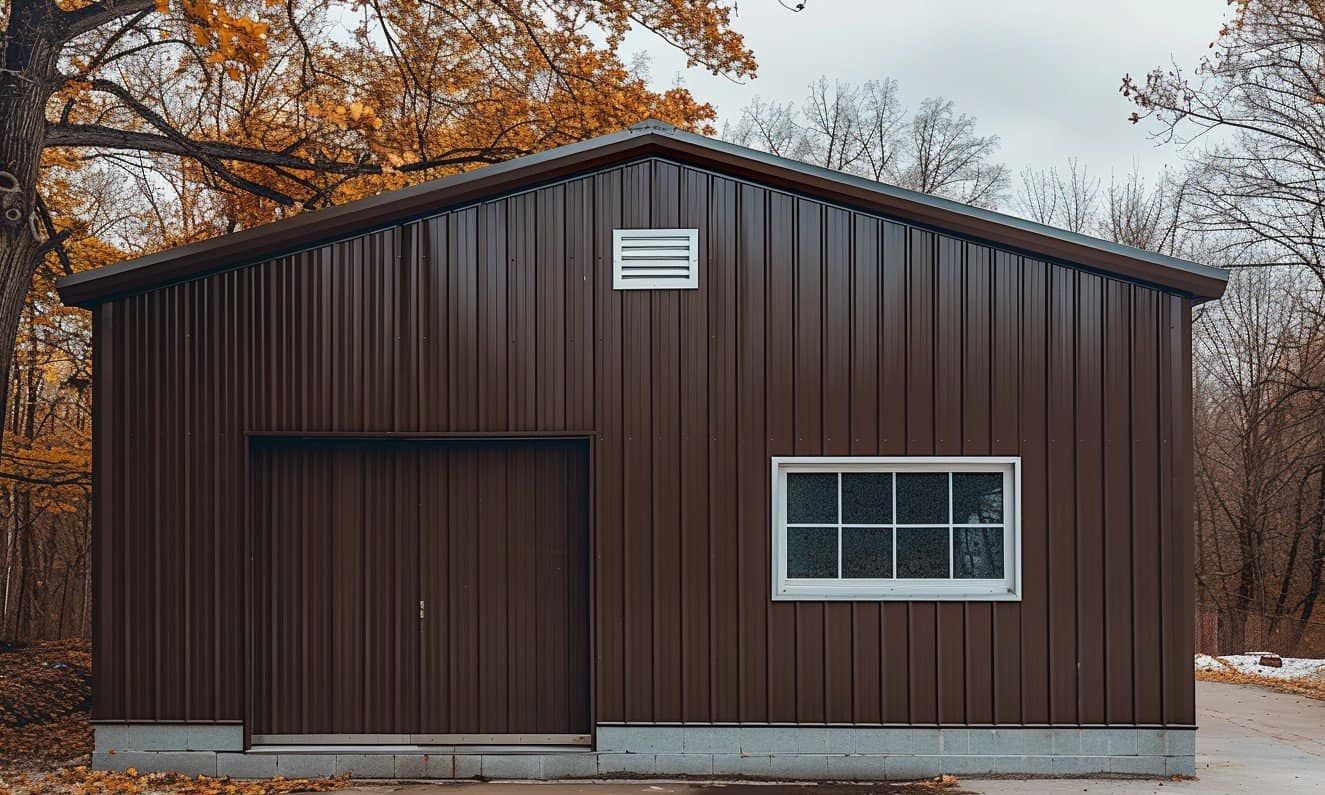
{"x": 429, "y": 89}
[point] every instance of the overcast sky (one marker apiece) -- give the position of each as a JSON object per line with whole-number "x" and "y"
{"x": 1042, "y": 75}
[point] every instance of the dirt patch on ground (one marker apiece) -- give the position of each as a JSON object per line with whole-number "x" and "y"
{"x": 46, "y": 738}
{"x": 45, "y": 690}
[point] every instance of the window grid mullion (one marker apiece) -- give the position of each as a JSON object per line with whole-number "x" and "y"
{"x": 839, "y": 525}
{"x": 893, "y": 475}
{"x": 952, "y": 536}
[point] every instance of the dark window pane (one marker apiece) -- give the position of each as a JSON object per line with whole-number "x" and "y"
{"x": 922, "y": 497}
{"x": 811, "y": 497}
{"x": 922, "y": 552}
{"x": 812, "y": 552}
{"x": 979, "y": 553}
{"x": 977, "y": 498}
{"x": 867, "y": 497}
{"x": 867, "y": 552}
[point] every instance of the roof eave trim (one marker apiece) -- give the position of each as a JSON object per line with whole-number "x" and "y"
{"x": 1199, "y": 282}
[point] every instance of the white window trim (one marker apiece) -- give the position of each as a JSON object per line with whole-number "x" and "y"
{"x": 1007, "y": 589}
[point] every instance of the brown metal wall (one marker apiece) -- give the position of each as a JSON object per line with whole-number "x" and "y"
{"x": 816, "y": 330}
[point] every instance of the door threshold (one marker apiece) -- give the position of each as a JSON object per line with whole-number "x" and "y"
{"x": 418, "y": 750}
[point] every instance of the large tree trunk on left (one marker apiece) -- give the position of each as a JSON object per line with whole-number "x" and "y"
{"x": 29, "y": 74}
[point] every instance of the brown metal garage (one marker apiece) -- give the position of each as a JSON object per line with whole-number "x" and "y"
{"x": 720, "y": 463}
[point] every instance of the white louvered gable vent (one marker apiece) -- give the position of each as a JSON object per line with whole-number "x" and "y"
{"x": 655, "y": 259}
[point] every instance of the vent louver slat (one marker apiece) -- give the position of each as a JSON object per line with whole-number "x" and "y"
{"x": 655, "y": 259}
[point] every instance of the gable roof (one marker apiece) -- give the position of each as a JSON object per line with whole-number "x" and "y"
{"x": 647, "y": 139}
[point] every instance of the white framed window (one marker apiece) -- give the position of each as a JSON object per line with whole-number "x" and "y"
{"x": 910, "y": 527}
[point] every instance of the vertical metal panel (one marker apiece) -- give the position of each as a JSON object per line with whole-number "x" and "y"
{"x": 1090, "y": 551}
{"x": 754, "y": 432}
{"x": 815, "y": 329}
{"x": 865, "y": 408}
{"x": 700, "y": 539}
{"x": 780, "y": 383}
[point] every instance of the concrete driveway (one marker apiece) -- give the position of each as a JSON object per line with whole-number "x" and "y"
{"x": 1250, "y": 740}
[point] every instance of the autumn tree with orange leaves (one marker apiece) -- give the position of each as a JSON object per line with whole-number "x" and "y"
{"x": 128, "y": 126}
{"x": 277, "y": 106}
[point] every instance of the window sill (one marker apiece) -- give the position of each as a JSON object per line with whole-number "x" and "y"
{"x": 946, "y": 591}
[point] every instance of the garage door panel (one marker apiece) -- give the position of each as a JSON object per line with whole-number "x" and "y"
{"x": 492, "y": 538}
{"x": 493, "y": 586}
{"x": 522, "y": 604}
{"x": 434, "y": 588}
{"x": 550, "y": 583}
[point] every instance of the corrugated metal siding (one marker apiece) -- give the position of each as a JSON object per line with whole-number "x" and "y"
{"x": 815, "y": 330}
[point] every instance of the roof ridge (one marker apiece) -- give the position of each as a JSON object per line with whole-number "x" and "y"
{"x": 650, "y": 137}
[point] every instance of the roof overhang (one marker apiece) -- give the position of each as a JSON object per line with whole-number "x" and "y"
{"x": 1199, "y": 282}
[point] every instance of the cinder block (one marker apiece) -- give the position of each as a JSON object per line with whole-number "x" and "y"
{"x": 811, "y": 740}
{"x": 857, "y": 768}
{"x": 1150, "y": 742}
{"x": 726, "y": 764}
{"x": 612, "y": 739}
{"x": 1095, "y": 742}
{"x": 411, "y": 765}
{"x": 241, "y": 765}
{"x": 1182, "y": 742}
{"x": 215, "y": 738}
{"x": 1067, "y": 742}
{"x": 526, "y": 767}
{"x": 812, "y": 767}
{"x": 909, "y": 768}
{"x": 306, "y": 765}
{"x": 755, "y": 766}
{"x": 683, "y": 764}
{"x": 995, "y": 742}
{"x": 1079, "y": 765}
{"x": 111, "y": 738}
{"x": 641, "y": 739}
{"x": 897, "y": 741}
{"x": 1137, "y": 765}
{"x": 579, "y": 765}
{"x": 1122, "y": 742}
{"x": 954, "y": 741}
{"x": 1024, "y": 765}
{"x": 189, "y": 763}
{"x": 467, "y": 766}
{"x": 923, "y": 741}
{"x": 968, "y": 765}
{"x": 626, "y": 765}
{"x": 122, "y": 760}
{"x": 844, "y": 741}
{"x": 158, "y": 738}
{"x": 1037, "y": 742}
{"x": 366, "y": 765}
{"x": 711, "y": 740}
{"x": 442, "y": 766}
{"x": 769, "y": 739}
{"x": 1180, "y": 765}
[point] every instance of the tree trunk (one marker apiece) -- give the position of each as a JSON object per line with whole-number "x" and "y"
{"x": 29, "y": 75}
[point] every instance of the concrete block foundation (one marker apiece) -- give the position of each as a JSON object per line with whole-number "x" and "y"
{"x": 693, "y": 752}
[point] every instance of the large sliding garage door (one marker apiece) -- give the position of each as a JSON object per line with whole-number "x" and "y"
{"x": 421, "y": 591}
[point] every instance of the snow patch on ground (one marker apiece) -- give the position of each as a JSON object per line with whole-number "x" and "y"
{"x": 1249, "y": 663}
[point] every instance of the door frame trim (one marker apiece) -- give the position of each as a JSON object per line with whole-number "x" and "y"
{"x": 255, "y": 436}
{"x": 421, "y": 739}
